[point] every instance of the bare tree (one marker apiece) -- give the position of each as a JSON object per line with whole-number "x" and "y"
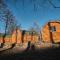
{"x": 7, "y": 17}
{"x": 54, "y": 6}
{"x": 36, "y": 27}
{"x": 31, "y": 31}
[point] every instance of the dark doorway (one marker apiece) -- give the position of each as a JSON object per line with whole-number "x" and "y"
{"x": 23, "y": 32}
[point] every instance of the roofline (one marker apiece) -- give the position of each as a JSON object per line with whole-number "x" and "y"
{"x": 50, "y": 21}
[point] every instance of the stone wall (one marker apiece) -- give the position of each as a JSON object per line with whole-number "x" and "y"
{"x": 17, "y": 38}
{"x": 51, "y": 32}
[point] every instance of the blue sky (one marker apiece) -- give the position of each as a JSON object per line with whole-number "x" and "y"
{"x": 26, "y": 16}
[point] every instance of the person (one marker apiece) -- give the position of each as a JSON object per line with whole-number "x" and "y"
{"x": 13, "y": 45}
{"x": 28, "y": 45}
{"x": 32, "y": 47}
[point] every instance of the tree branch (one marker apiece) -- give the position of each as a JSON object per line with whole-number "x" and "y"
{"x": 54, "y": 6}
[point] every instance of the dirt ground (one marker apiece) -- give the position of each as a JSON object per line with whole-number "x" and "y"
{"x": 45, "y": 54}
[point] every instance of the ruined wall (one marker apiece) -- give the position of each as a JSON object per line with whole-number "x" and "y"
{"x": 45, "y": 34}
{"x": 56, "y": 34}
{"x": 30, "y": 38}
{"x": 7, "y": 39}
{"x": 16, "y": 37}
{"x": 49, "y": 34}
{"x": 27, "y": 38}
{"x": 1, "y": 40}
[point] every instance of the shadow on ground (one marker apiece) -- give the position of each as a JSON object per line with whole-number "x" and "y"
{"x": 45, "y": 54}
